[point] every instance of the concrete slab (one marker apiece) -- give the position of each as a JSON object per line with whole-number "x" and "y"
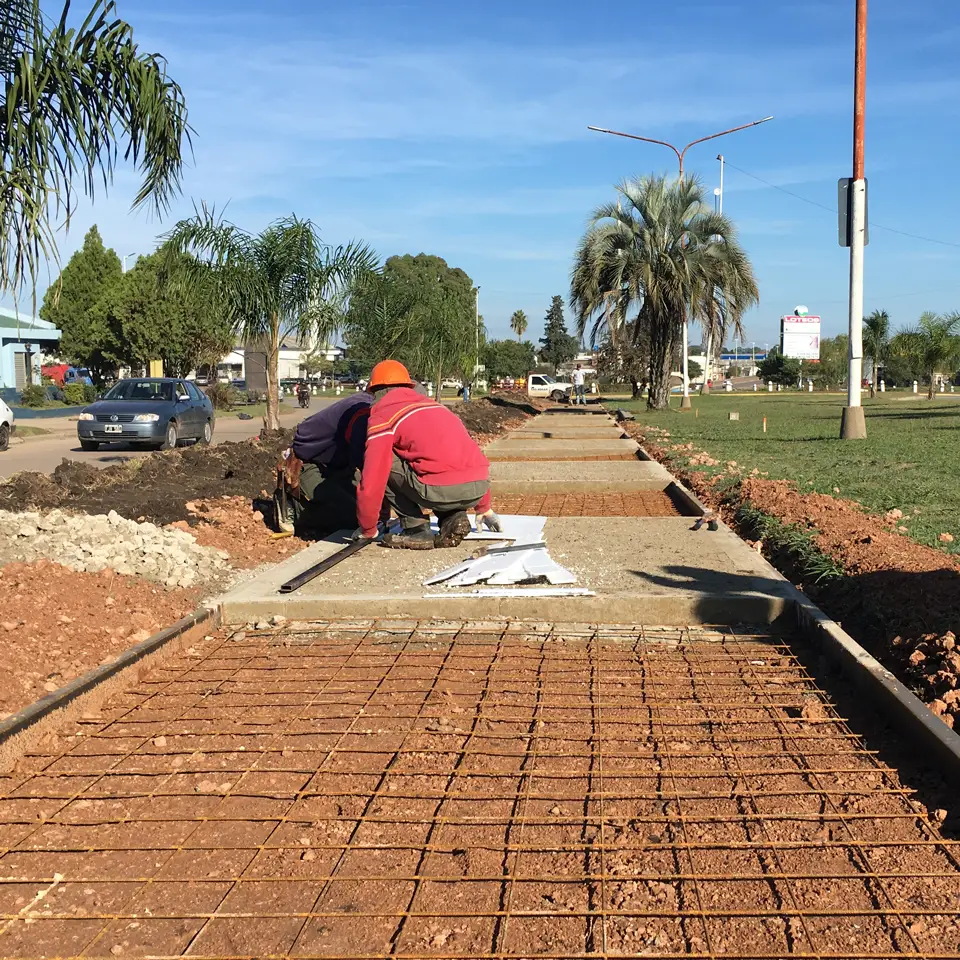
{"x": 570, "y": 476}
{"x": 559, "y": 449}
{"x": 547, "y": 432}
{"x": 643, "y": 570}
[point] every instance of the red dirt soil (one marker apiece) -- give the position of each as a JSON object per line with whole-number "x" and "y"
{"x": 645, "y": 503}
{"x": 899, "y": 598}
{"x": 231, "y": 524}
{"x": 59, "y": 623}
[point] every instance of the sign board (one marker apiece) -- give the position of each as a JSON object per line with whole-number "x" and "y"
{"x": 800, "y": 337}
{"x": 844, "y": 215}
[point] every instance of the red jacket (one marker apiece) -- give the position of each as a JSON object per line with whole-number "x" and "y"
{"x": 428, "y": 436}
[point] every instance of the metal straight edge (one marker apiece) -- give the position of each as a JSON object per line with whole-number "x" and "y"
{"x": 868, "y": 673}
{"x": 58, "y": 699}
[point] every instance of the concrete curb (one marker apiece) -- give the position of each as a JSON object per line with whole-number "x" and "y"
{"x": 863, "y": 669}
{"x": 870, "y": 676}
{"x": 24, "y": 728}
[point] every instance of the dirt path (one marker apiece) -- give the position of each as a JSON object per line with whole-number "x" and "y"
{"x": 470, "y": 790}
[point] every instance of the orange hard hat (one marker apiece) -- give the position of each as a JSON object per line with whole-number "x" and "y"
{"x": 390, "y": 373}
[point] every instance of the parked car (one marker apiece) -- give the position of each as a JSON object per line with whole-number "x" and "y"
{"x": 158, "y": 412}
{"x": 7, "y": 425}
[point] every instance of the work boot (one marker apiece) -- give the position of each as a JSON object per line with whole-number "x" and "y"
{"x": 453, "y": 528}
{"x": 419, "y": 537}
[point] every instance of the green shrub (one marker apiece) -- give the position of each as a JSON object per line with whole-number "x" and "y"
{"x": 221, "y": 395}
{"x": 33, "y": 396}
{"x": 75, "y": 394}
{"x": 89, "y": 393}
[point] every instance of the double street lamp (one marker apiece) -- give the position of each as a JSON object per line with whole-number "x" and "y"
{"x": 681, "y": 155}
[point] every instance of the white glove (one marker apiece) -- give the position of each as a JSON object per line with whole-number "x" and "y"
{"x": 490, "y": 520}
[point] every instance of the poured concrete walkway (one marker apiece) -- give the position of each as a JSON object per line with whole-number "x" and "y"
{"x": 645, "y": 570}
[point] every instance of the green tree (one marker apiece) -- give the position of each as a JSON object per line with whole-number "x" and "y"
{"x": 899, "y": 370}
{"x": 282, "y": 282}
{"x": 662, "y": 252}
{"x": 418, "y": 310}
{"x": 876, "y": 342}
{"x": 625, "y": 359}
{"x": 75, "y": 303}
{"x": 831, "y": 372}
{"x": 694, "y": 369}
{"x": 778, "y": 368}
{"x": 73, "y": 98}
{"x": 558, "y": 346}
{"x": 155, "y": 317}
{"x": 519, "y": 323}
{"x": 933, "y": 346}
{"x": 508, "y": 358}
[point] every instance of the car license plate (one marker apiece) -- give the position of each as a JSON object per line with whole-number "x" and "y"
{"x": 112, "y": 428}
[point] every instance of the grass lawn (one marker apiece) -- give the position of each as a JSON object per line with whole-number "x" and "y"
{"x": 910, "y": 459}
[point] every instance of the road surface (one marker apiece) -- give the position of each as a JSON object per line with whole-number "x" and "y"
{"x": 44, "y": 453}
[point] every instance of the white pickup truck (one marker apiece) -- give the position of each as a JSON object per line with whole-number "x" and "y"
{"x": 543, "y": 385}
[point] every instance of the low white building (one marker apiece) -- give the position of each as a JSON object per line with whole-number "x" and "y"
{"x": 245, "y": 364}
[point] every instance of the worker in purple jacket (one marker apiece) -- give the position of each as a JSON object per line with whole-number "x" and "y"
{"x": 320, "y": 468}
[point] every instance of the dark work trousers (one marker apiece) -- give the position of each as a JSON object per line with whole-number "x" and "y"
{"x": 328, "y": 501}
{"x": 411, "y": 498}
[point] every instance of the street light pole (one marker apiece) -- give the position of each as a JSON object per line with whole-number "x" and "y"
{"x": 853, "y": 424}
{"x": 681, "y": 154}
{"x": 124, "y": 269}
{"x": 476, "y": 368}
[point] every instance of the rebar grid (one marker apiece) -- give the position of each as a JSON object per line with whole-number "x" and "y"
{"x": 471, "y": 789}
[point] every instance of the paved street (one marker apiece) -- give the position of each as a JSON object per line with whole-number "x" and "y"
{"x": 45, "y": 453}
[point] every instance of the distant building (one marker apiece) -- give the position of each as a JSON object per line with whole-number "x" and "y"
{"x": 23, "y": 338}
{"x": 246, "y": 363}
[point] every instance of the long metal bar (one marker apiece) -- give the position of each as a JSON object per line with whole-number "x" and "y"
{"x": 311, "y": 573}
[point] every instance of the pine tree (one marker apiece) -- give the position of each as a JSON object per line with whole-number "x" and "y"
{"x": 74, "y": 303}
{"x": 558, "y": 346}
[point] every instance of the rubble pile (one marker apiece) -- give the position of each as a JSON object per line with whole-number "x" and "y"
{"x": 92, "y": 543}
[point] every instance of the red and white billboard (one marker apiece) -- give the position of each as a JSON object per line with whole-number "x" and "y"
{"x": 800, "y": 337}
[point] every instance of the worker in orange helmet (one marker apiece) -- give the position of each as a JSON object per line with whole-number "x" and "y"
{"x": 421, "y": 458}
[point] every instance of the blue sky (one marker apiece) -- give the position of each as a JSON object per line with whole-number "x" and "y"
{"x": 460, "y": 130}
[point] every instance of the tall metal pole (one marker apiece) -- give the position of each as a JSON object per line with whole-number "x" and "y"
{"x": 720, "y": 158}
{"x": 681, "y": 154}
{"x": 476, "y": 369}
{"x": 853, "y": 425}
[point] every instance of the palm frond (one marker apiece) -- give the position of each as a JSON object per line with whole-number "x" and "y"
{"x": 73, "y": 98}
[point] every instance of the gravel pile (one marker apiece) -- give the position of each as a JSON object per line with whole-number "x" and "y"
{"x": 93, "y": 543}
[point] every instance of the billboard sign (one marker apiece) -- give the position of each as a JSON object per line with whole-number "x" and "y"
{"x": 800, "y": 337}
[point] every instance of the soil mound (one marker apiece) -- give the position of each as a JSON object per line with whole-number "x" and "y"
{"x": 156, "y": 487}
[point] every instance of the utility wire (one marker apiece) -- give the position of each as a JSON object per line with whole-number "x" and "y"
{"x": 823, "y": 206}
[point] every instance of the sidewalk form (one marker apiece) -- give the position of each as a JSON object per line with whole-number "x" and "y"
{"x": 640, "y": 569}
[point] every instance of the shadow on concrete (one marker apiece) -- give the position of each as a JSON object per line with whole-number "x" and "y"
{"x": 716, "y": 582}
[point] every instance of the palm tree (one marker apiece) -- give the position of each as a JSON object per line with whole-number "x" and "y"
{"x": 71, "y": 97}
{"x": 661, "y": 253}
{"x": 934, "y": 345}
{"x": 518, "y": 323}
{"x": 876, "y": 342}
{"x": 282, "y": 282}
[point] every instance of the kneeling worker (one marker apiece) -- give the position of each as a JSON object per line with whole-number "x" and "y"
{"x": 421, "y": 458}
{"x": 320, "y": 467}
